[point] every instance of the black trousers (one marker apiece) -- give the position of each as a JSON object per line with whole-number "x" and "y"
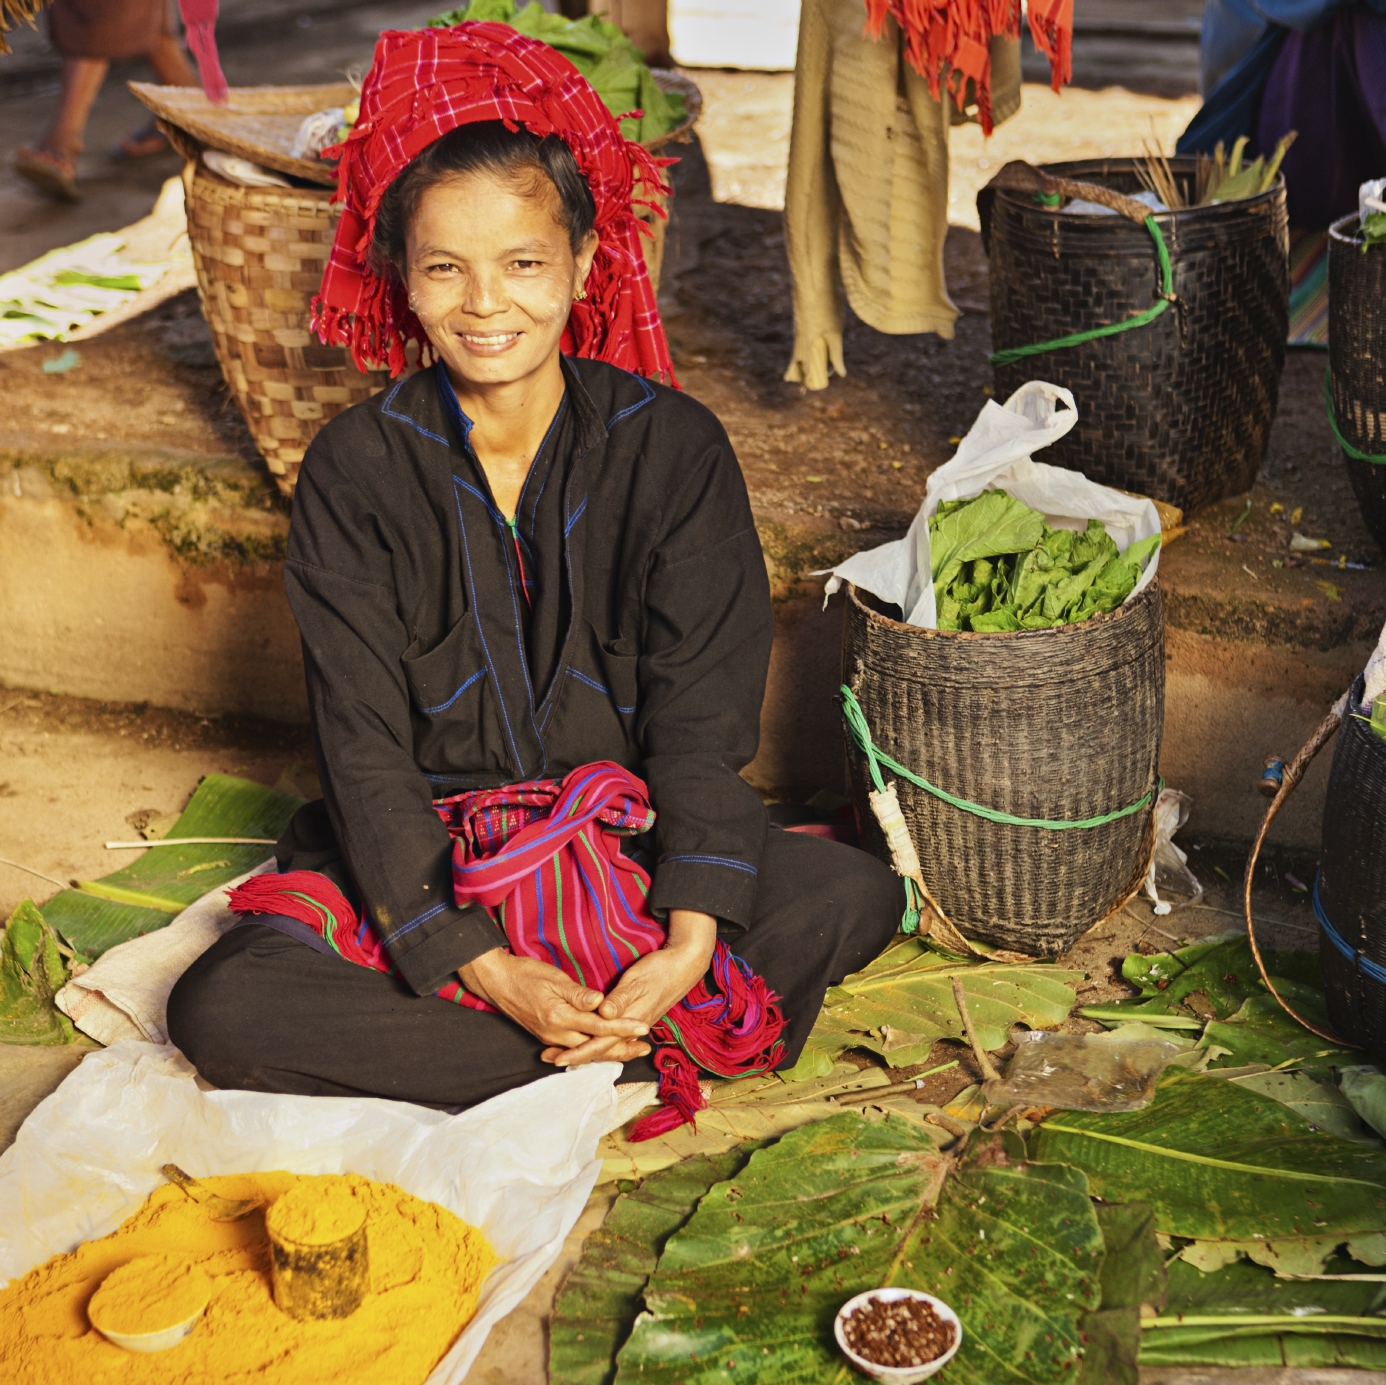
{"x": 263, "y": 1012}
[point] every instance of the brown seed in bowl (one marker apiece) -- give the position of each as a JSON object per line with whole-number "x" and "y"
{"x": 905, "y": 1332}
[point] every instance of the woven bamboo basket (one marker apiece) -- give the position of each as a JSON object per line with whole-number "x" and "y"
{"x": 1060, "y": 725}
{"x": 1179, "y": 409}
{"x": 1350, "y": 893}
{"x": 260, "y": 255}
{"x": 1357, "y": 362}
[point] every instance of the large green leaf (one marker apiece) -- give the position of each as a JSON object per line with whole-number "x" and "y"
{"x": 223, "y": 806}
{"x": 594, "y": 1311}
{"x": 1261, "y": 1032}
{"x": 1320, "y": 1103}
{"x": 1365, "y": 1088}
{"x": 1221, "y": 1163}
{"x": 1133, "y": 1275}
{"x": 31, "y": 973}
{"x": 747, "y": 1290}
{"x": 902, "y": 1004}
{"x": 991, "y": 524}
{"x": 1245, "y": 1316}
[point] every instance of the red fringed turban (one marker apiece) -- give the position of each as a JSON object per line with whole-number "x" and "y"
{"x": 426, "y": 82}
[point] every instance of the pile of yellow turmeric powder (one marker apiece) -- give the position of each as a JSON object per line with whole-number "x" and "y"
{"x": 427, "y": 1267}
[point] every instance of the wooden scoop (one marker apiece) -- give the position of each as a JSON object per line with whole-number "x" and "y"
{"x": 218, "y": 1208}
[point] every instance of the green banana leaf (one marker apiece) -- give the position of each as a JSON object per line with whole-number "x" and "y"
{"x": 31, "y": 974}
{"x": 1133, "y": 1275}
{"x": 599, "y": 1301}
{"x": 747, "y": 1290}
{"x": 1217, "y": 1162}
{"x": 1245, "y": 1316}
{"x": 146, "y": 894}
{"x": 902, "y": 1004}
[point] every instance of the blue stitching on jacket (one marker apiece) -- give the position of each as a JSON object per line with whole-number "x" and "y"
{"x": 448, "y": 396}
{"x": 443, "y": 706}
{"x": 414, "y": 923}
{"x": 576, "y": 515}
{"x": 1364, "y": 964}
{"x": 633, "y": 408}
{"x": 714, "y": 861}
{"x": 524, "y": 663}
{"x": 597, "y": 687}
{"x": 534, "y": 509}
{"x": 490, "y": 508}
{"x": 404, "y": 418}
{"x": 485, "y": 648}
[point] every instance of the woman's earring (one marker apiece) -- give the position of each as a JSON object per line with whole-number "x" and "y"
{"x": 579, "y": 295}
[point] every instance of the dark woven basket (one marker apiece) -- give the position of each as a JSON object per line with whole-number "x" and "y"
{"x": 1181, "y": 408}
{"x": 1357, "y": 361}
{"x": 1058, "y": 724}
{"x": 1352, "y": 883}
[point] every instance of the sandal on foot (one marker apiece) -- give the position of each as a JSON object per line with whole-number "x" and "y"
{"x": 147, "y": 140}
{"x": 49, "y": 173}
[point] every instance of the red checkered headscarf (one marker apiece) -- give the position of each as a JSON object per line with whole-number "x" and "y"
{"x": 424, "y": 83}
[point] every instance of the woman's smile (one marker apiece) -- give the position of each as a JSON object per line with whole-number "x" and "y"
{"x": 488, "y": 343}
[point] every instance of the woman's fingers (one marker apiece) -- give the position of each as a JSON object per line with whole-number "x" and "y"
{"x": 596, "y": 1051}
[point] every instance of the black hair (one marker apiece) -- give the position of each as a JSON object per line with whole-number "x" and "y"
{"x": 484, "y": 146}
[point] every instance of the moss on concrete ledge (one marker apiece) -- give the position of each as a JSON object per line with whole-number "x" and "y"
{"x": 204, "y": 509}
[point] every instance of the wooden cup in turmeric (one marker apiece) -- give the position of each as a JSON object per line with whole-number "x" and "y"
{"x": 319, "y": 1261}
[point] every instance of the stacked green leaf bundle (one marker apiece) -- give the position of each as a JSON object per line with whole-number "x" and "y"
{"x": 599, "y": 50}
{"x": 997, "y": 565}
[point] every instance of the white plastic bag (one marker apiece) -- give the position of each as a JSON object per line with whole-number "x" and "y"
{"x": 520, "y": 1166}
{"x": 997, "y": 455}
{"x": 1169, "y": 866}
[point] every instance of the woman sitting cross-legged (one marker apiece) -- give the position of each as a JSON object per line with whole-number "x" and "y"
{"x": 536, "y": 624}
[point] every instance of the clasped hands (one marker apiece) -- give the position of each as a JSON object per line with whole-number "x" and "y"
{"x": 580, "y": 1025}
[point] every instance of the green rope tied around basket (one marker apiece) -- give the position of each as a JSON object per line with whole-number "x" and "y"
{"x": 1141, "y": 319}
{"x": 860, "y": 732}
{"x": 1375, "y": 458}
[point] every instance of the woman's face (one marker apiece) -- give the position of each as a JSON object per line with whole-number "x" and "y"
{"x": 491, "y": 275}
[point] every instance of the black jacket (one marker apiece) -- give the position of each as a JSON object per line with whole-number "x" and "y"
{"x": 402, "y": 577}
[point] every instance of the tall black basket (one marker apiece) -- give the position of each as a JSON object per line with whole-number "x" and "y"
{"x": 1357, "y": 363}
{"x": 1181, "y": 408}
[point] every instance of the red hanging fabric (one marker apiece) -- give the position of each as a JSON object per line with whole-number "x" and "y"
{"x": 200, "y": 21}
{"x": 948, "y": 41}
{"x": 544, "y": 859}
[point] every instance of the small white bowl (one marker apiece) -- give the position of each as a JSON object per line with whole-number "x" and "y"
{"x": 154, "y": 1341}
{"x": 896, "y": 1375}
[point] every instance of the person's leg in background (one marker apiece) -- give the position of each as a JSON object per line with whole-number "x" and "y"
{"x": 51, "y": 166}
{"x": 172, "y": 68}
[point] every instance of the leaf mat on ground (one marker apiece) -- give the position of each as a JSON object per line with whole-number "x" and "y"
{"x": 31, "y": 973}
{"x": 1220, "y": 1163}
{"x": 755, "y": 1110}
{"x": 595, "y": 1309}
{"x": 1244, "y": 1316}
{"x": 902, "y": 1004}
{"x": 747, "y": 1289}
{"x": 223, "y": 806}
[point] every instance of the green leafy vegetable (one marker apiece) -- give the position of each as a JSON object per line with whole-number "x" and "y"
{"x": 599, "y": 50}
{"x": 595, "y": 1309}
{"x": 747, "y": 1290}
{"x": 31, "y": 974}
{"x": 1133, "y": 1275}
{"x": 902, "y": 1004}
{"x": 997, "y": 565}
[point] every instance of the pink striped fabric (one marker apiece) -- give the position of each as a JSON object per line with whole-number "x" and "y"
{"x": 544, "y": 859}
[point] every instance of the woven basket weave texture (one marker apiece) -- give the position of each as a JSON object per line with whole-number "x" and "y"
{"x": 260, "y": 255}
{"x": 1179, "y": 409}
{"x": 1357, "y": 361}
{"x": 1057, "y": 724}
{"x": 1352, "y": 882}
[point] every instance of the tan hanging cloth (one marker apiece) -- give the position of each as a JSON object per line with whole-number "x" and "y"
{"x": 866, "y": 202}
